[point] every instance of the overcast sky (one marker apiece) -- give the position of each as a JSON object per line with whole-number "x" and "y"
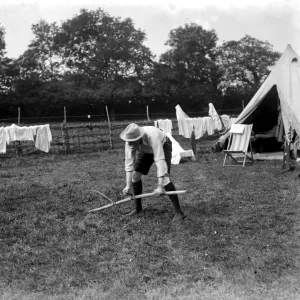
{"x": 275, "y": 21}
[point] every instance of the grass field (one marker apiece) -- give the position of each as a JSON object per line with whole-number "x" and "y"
{"x": 240, "y": 240}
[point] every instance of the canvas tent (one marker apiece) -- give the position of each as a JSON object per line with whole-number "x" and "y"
{"x": 279, "y": 92}
{"x": 278, "y": 98}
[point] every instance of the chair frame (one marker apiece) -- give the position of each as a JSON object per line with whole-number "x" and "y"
{"x": 246, "y": 156}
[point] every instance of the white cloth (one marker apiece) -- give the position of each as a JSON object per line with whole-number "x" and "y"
{"x": 237, "y": 128}
{"x": 180, "y": 114}
{"x": 165, "y": 125}
{"x": 3, "y": 140}
{"x": 183, "y": 128}
{"x": 43, "y": 138}
{"x": 225, "y": 120}
{"x": 240, "y": 141}
{"x": 210, "y": 127}
{"x": 232, "y": 121}
{"x": 14, "y": 133}
{"x": 18, "y": 133}
{"x": 196, "y": 124}
{"x": 178, "y": 152}
{"x": 152, "y": 142}
{"x": 216, "y": 119}
{"x": 199, "y": 128}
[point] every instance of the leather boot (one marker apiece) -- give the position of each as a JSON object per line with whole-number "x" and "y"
{"x": 137, "y": 188}
{"x": 179, "y": 215}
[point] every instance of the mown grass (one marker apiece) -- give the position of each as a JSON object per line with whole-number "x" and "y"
{"x": 240, "y": 239}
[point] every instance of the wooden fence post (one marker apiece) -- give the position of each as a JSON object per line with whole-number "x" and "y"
{"x": 19, "y": 116}
{"x": 148, "y": 113}
{"x": 65, "y": 115}
{"x": 18, "y": 147}
{"x": 65, "y": 137}
{"x": 109, "y": 129}
{"x": 193, "y": 141}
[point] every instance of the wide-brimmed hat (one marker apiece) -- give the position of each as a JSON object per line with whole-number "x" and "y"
{"x": 132, "y": 133}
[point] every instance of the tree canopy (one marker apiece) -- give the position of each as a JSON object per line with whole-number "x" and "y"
{"x": 244, "y": 64}
{"x": 94, "y": 58}
{"x": 191, "y": 62}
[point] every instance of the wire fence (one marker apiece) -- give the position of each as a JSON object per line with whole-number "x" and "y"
{"x": 91, "y": 133}
{"x": 102, "y": 118}
{"x": 90, "y": 137}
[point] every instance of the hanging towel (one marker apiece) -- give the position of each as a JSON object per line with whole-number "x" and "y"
{"x": 180, "y": 114}
{"x": 3, "y": 140}
{"x": 18, "y": 133}
{"x": 216, "y": 119}
{"x": 43, "y": 138}
{"x": 225, "y": 120}
{"x": 184, "y": 128}
{"x": 165, "y": 125}
{"x": 210, "y": 127}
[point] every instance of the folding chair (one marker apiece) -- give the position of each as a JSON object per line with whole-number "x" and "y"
{"x": 239, "y": 143}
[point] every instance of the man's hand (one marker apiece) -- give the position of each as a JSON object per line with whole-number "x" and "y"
{"x": 159, "y": 190}
{"x": 126, "y": 190}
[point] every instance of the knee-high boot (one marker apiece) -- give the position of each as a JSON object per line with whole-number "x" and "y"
{"x": 137, "y": 188}
{"x": 174, "y": 199}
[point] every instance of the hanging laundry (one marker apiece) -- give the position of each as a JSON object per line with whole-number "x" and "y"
{"x": 43, "y": 138}
{"x": 18, "y": 133}
{"x": 198, "y": 125}
{"x": 180, "y": 114}
{"x": 216, "y": 119}
{"x": 183, "y": 128}
{"x": 225, "y": 120}
{"x": 3, "y": 140}
{"x": 210, "y": 127}
{"x": 165, "y": 125}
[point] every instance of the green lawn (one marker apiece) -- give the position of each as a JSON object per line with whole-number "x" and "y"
{"x": 240, "y": 239}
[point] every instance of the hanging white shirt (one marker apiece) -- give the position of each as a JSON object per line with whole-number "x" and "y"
{"x": 43, "y": 138}
{"x": 3, "y": 140}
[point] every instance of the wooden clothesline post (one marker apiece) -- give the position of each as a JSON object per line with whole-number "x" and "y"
{"x": 193, "y": 141}
{"x": 148, "y": 113}
{"x": 65, "y": 137}
{"x": 109, "y": 128}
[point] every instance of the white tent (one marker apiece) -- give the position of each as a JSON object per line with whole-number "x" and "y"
{"x": 285, "y": 77}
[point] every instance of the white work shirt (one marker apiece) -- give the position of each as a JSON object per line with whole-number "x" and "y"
{"x": 152, "y": 142}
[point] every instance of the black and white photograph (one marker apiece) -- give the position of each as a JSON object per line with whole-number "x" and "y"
{"x": 149, "y": 150}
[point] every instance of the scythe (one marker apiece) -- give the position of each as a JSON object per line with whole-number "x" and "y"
{"x": 130, "y": 198}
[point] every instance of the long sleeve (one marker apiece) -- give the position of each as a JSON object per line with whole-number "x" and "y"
{"x": 155, "y": 140}
{"x": 129, "y": 158}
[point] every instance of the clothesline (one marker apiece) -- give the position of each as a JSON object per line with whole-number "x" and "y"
{"x": 14, "y": 133}
{"x": 200, "y": 125}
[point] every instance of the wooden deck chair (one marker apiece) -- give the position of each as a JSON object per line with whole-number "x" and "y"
{"x": 239, "y": 143}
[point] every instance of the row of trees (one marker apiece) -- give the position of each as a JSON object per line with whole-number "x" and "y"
{"x": 95, "y": 59}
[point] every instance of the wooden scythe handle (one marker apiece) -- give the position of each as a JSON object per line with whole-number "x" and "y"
{"x": 136, "y": 197}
